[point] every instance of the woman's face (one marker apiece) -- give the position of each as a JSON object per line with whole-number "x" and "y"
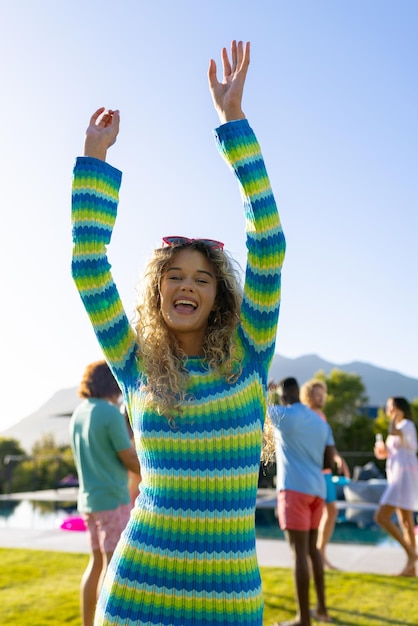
{"x": 318, "y": 397}
{"x": 390, "y": 408}
{"x": 188, "y": 293}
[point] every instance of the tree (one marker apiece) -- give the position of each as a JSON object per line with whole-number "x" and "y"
{"x": 346, "y": 395}
{"x": 414, "y": 407}
{"x": 381, "y": 423}
{"x": 46, "y": 466}
{"x": 353, "y": 432}
{"x": 10, "y": 451}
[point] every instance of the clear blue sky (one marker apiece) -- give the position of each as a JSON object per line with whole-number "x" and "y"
{"x": 332, "y": 94}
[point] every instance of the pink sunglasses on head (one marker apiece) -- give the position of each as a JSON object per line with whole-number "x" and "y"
{"x": 181, "y": 241}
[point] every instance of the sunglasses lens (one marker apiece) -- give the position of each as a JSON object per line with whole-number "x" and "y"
{"x": 180, "y": 241}
{"x": 211, "y": 243}
{"x": 175, "y": 241}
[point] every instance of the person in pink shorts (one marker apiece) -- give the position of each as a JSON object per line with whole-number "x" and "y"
{"x": 304, "y": 444}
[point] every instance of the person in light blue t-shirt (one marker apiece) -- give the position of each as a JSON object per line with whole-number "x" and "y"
{"x": 304, "y": 445}
{"x": 103, "y": 454}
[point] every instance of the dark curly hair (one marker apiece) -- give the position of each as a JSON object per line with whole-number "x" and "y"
{"x": 98, "y": 382}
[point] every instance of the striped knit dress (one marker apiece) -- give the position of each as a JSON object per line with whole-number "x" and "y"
{"x": 187, "y": 556}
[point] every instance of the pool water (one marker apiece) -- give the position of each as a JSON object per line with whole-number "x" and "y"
{"x": 358, "y": 530}
{"x": 50, "y": 515}
{"x": 34, "y": 515}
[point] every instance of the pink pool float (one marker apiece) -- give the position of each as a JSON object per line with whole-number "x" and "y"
{"x": 73, "y": 523}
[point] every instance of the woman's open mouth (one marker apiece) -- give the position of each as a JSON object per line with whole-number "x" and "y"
{"x": 184, "y": 305}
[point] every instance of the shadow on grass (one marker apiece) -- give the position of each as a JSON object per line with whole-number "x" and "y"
{"x": 286, "y": 608}
{"x": 353, "y": 599}
{"x": 348, "y": 617}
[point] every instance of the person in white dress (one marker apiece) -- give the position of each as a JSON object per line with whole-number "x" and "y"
{"x": 401, "y": 494}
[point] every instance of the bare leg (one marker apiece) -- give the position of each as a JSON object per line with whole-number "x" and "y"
{"x": 299, "y": 542}
{"x": 91, "y": 584}
{"x": 325, "y": 530}
{"x": 106, "y": 561}
{"x": 383, "y": 517}
{"x": 318, "y": 576}
{"x": 406, "y": 522}
{"x": 89, "y": 587}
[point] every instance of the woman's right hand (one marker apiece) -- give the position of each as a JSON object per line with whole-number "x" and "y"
{"x": 101, "y": 133}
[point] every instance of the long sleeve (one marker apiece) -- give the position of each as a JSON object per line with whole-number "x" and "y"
{"x": 265, "y": 240}
{"x": 94, "y": 206}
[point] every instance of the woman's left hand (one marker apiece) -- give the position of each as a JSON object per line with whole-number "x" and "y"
{"x": 227, "y": 95}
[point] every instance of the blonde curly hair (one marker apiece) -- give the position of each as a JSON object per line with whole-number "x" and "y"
{"x": 162, "y": 358}
{"x": 307, "y": 389}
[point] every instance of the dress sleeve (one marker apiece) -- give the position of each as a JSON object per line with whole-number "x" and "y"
{"x": 265, "y": 240}
{"x": 95, "y": 195}
{"x": 409, "y": 435}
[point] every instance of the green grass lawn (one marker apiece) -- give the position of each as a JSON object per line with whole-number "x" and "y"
{"x": 352, "y": 599}
{"x": 40, "y": 588}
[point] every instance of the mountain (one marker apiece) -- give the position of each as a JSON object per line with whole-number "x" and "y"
{"x": 379, "y": 383}
{"x": 54, "y": 416}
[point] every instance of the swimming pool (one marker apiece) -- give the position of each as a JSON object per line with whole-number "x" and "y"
{"x": 346, "y": 531}
{"x": 28, "y": 514}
